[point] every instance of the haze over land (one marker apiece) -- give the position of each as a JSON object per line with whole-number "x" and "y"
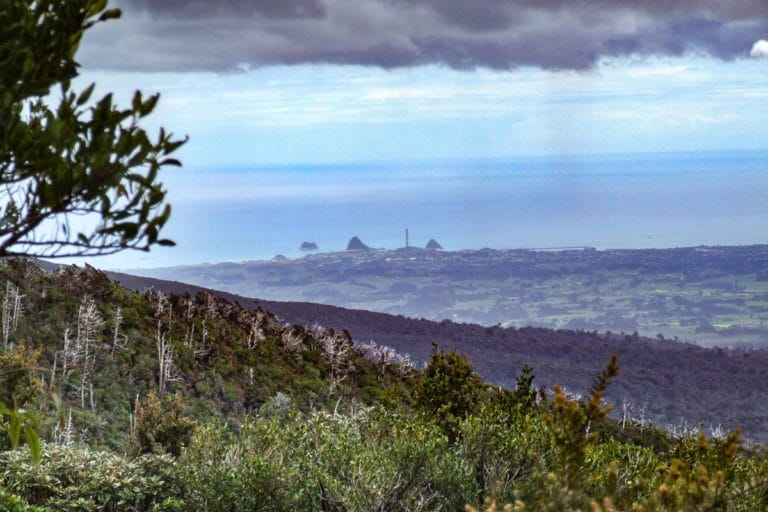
{"x": 711, "y": 295}
{"x": 609, "y": 202}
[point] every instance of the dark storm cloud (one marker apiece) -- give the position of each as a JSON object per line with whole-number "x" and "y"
{"x": 286, "y": 9}
{"x": 220, "y": 35}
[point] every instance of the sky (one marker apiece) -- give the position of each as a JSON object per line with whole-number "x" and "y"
{"x": 262, "y": 81}
{"x": 267, "y": 82}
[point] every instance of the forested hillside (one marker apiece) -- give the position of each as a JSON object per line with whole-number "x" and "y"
{"x": 97, "y": 347}
{"x": 161, "y": 401}
{"x": 669, "y": 383}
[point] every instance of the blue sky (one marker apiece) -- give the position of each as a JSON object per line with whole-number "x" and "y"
{"x": 259, "y": 82}
{"x": 326, "y": 113}
{"x": 263, "y": 83}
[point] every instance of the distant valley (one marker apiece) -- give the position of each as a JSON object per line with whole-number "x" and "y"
{"x": 710, "y": 295}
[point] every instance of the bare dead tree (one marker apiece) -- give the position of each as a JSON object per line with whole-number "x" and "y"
{"x": 69, "y": 353}
{"x": 89, "y": 321}
{"x": 63, "y": 434}
{"x": 210, "y": 306}
{"x": 6, "y": 314}
{"x": 336, "y": 347}
{"x": 204, "y": 348}
{"x": 386, "y": 357}
{"x": 12, "y": 308}
{"x": 165, "y": 363}
{"x": 117, "y": 322}
{"x": 159, "y": 303}
{"x": 53, "y": 370}
{"x": 190, "y": 324}
{"x": 255, "y": 333}
{"x": 18, "y": 309}
{"x": 165, "y": 353}
{"x": 293, "y": 340}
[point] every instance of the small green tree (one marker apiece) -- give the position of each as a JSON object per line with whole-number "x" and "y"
{"x": 160, "y": 426}
{"x": 569, "y": 423}
{"x": 19, "y": 384}
{"x": 521, "y": 400}
{"x": 524, "y": 395}
{"x": 78, "y": 177}
{"x": 449, "y": 390}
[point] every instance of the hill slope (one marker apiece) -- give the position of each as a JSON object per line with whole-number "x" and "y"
{"x": 666, "y": 382}
{"x": 95, "y": 346}
{"x": 714, "y": 295}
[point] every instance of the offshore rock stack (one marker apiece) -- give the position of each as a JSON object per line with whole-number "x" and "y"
{"x": 355, "y": 244}
{"x": 432, "y": 245}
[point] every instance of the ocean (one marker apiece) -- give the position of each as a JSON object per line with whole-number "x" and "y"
{"x": 616, "y": 201}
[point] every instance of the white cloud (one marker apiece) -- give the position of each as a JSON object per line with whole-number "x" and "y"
{"x": 663, "y": 71}
{"x": 327, "y": 113}
{"x": 759, "y": 50}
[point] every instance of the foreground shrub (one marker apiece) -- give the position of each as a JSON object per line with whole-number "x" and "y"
{"x": 449, "y": 390}
{"x": 227, "y": 472}
{"x": 11, "y": 503}
{"x": 366, "y": 460}
{"x": 82, "y": 479}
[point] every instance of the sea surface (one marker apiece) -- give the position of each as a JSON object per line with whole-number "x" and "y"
{"x": 617, "y": 201}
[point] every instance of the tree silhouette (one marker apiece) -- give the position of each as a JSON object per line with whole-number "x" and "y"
{"x": 78, "y": 176}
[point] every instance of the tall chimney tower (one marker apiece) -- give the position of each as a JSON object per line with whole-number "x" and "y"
{"x": 406, "y": 238}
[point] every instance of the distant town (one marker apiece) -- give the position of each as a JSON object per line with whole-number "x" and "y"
{"x": 711, "y": 295}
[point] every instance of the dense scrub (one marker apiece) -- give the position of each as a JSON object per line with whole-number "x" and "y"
{"x": 376, "y": 459}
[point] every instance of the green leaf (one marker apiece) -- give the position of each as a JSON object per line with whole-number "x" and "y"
{"x": 82, "y": 148}
{"x": 136, "y": 102}
{"x": 14, "y": 429}
{"x": 33, "y": 440}
{"x": 110, "y": 14}
{"x": 149, "y": 105}
{"x": 97, "y": 7}
{"x": 85, "y": 95}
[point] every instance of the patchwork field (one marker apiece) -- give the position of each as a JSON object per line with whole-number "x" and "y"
{"x": 710, "y": 295}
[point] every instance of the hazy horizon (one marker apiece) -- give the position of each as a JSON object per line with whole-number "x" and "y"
{"x": 615, "y": 202}
{"x": 282, "y": 101}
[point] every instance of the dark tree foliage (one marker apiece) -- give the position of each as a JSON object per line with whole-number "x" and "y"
{"x": 524, "y": 395}
{"x": 78, "y": 175}
{"x": 449, "y": 391}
